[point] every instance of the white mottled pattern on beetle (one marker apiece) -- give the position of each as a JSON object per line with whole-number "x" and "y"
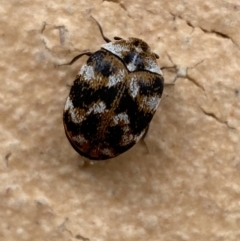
{"x": 121, "y": 117}
{"x": 87, "y": 72}
{"x": 126, "y": 139}
{"x": 152, "y": 66}
{"x": 118, "y": 74}
{"x": 114, "y": 79}
{"x": 72, "y": 111}
{"x": 116, "y": 48}
{"x": 131, "y": 66}
{"x": 129, "y": 138}
{"x": 97, "y": 108}
{"x": 134, "y": 87}
{"x": 122, "y": 46}
{"x": 80, "y": 139}
{"x": 139, "y": 50}
{"x": 150, "y": 103}
{"x": 107, "y": 151}
{"x": 126, "y": 128}
{"x": 68, "y": 105}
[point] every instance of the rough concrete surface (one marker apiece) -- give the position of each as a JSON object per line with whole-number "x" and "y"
{"x": 183, "y": 183}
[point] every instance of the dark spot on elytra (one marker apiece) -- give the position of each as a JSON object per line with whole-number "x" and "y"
{"x": 98, "y": 56}
{"x": 128, "y": 57}
{"x": 120, "y": 149}
{"x": 113, "y": 135}
{"x": 83, "y": 95}
{"x": 101, "y": 64}
{"x": 136, "y": 42}
{"x": 135, "y": 58}
{"x": 154, "y": 86}
{"x": 89, "y": 127}
{"x": 141, "y": 44}
{"x": 139, "y": 119}
{"x": 144, "y": 46}
{"x": 71, "y": 126}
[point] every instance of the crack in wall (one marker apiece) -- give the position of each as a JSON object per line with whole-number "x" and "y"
{"x": 44, "y": 39}
{"x": 180, "y": 73}
{"x": 7, "y": 159}
{"x": 62, "y": 227}
{"x": 183, "y": 73}
{"x": 120, "y": 3}
{"x": 78, "y": 236}
{"x": 62, "y": 34}
{"x": 219, "y": 120}
{"x": 217, "y": 33}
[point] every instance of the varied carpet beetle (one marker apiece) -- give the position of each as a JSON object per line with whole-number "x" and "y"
{"x": 113, "y": 98}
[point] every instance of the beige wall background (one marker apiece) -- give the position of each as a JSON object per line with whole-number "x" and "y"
{"x": 182, "y": 184}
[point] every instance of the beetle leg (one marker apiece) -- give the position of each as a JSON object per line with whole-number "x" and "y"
{"x": 156, "y": 55}
{"x": 77, "y": 57}
{"x": 143, "y": 139}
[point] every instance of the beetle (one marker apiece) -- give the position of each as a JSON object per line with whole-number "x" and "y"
{"x": 113, "y": 98}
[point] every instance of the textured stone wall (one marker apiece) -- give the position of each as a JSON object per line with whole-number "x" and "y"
{"x": 182, "y": 183}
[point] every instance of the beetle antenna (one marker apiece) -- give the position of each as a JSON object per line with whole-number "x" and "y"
{"x": 101, "y": 31}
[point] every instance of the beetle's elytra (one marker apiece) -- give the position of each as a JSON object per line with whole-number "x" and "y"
{"x": 113, "y": 98}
